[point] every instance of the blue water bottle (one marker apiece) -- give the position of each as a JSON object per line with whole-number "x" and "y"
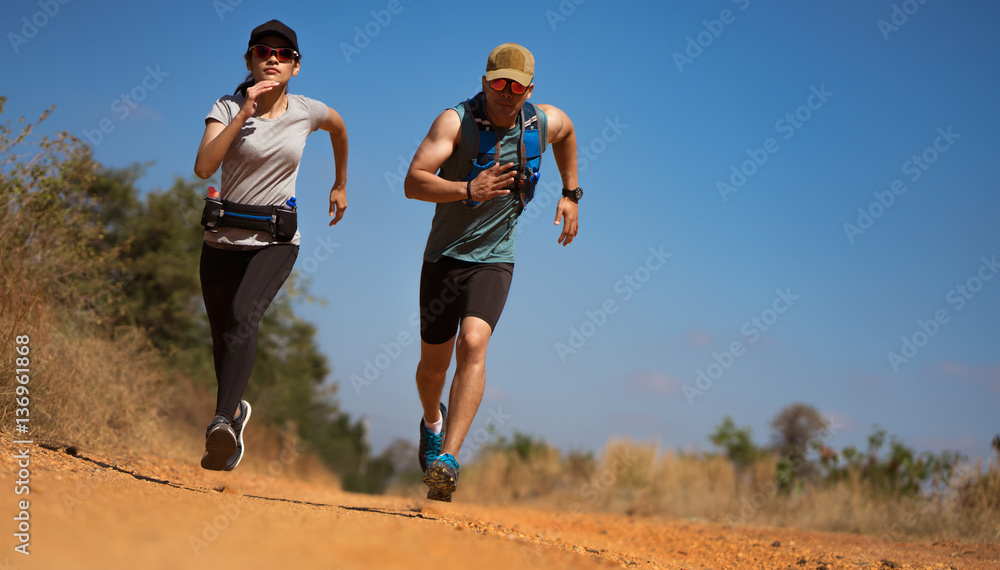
{"x": 286, "y": 221}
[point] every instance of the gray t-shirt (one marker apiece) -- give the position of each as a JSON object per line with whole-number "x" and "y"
{"x": 262, "y": 163}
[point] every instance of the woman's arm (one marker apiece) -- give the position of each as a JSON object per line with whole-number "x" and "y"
{"x": 334, "y": 124}
{"x": 217, "y": 138}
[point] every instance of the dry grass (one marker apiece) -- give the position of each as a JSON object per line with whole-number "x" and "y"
{"x": 112, "y": 394}
{"x": 639, "y": 479}
{"x": 84, "y": 389}
{"x": 505, "y": 477}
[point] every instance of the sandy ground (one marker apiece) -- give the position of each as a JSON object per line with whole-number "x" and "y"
{"x": 95, "y": 511}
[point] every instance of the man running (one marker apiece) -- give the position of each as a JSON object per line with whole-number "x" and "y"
{"x": 479, "y": 164}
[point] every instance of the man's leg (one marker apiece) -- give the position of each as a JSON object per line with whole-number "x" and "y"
{"x": 432, "y": 373}
{"x": 469, "y": 382}
{"x": 483, "y": 289}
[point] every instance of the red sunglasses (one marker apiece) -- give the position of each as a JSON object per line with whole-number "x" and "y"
{"x": 264, "y": 52}
{"x": 515, "y": 87}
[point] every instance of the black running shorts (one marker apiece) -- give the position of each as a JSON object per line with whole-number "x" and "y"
{"x": 451, "y": 290}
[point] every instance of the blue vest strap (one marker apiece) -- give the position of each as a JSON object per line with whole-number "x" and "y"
{"x": 529, "y": 152}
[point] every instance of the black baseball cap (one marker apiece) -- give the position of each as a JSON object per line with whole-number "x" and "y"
{"x": 273, "y": 28}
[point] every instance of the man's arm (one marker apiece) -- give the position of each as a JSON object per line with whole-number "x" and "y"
{"x": 422, "y": 181}
{"x": 562, "y": 136}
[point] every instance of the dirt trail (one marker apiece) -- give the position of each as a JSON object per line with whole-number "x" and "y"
{"x": 95, "y": 511}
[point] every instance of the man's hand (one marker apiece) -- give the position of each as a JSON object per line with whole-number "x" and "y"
{"x": 562, "y": 137}
{"x": 567, "y": 210}
{"x": 490, "y": 182}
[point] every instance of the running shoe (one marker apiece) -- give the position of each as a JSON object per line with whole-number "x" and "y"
{"x": 220, "y": 444}
{"x": 430, "y": 443}
{"x": 441, "y": 478}
{"x": 238, "y": 425}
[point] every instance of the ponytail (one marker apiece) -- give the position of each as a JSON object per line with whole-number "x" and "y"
{"x": 247, "y": 83}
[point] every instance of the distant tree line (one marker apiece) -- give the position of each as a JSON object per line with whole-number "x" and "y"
{"x": 800, "y": 442}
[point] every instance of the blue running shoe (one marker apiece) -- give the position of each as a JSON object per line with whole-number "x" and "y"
{"x": 220, "y": 444}
{"x": 430, "y": 443}
{"x": 441, "y": 478}
{"x": 238, "y": 425}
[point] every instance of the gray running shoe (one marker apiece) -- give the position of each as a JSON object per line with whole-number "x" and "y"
{"x": 220, "y": 444}
{"x": 238, "y": 425}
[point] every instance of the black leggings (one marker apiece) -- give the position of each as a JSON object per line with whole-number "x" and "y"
{"x": 238, "y": 286}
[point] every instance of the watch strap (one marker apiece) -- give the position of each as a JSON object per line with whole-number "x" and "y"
{"x": 574, "y": 194}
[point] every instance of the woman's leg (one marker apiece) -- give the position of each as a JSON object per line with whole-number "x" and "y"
{"x": 238, "y": 287}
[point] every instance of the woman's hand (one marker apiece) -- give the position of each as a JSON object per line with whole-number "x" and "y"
{"x": 338, "y": 202}
{"x": 256, "y": 90}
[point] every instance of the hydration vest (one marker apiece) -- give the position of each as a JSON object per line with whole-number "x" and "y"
{"x": 529, "y": 148}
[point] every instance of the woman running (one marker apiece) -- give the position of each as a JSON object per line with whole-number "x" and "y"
{"x": 257, "y": 135}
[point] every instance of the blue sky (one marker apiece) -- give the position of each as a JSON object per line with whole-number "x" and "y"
{"x": 779, "y": 196}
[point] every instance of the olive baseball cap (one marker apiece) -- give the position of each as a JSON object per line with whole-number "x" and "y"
{"x": 273, "y": 28}
{"x": 510, "y": 61}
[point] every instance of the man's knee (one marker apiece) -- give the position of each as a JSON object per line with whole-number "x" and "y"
{"x": 473, "y": 341}
{"x": 434, "y": 360}
{"x": 432, "y": 369}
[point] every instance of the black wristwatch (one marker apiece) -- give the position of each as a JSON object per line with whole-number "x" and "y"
{"x": 574, "y": 194}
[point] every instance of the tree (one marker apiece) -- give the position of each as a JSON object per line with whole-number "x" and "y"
{"x": 402, "y": 455}
{"x": 795, "y": 427}
{"x": 737, "y": 443}
{"x": 901, "y": 471}
{"x": 160, "y": 242}
{"x": 48, "y": 231}
{"x": 48, "y": 236}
